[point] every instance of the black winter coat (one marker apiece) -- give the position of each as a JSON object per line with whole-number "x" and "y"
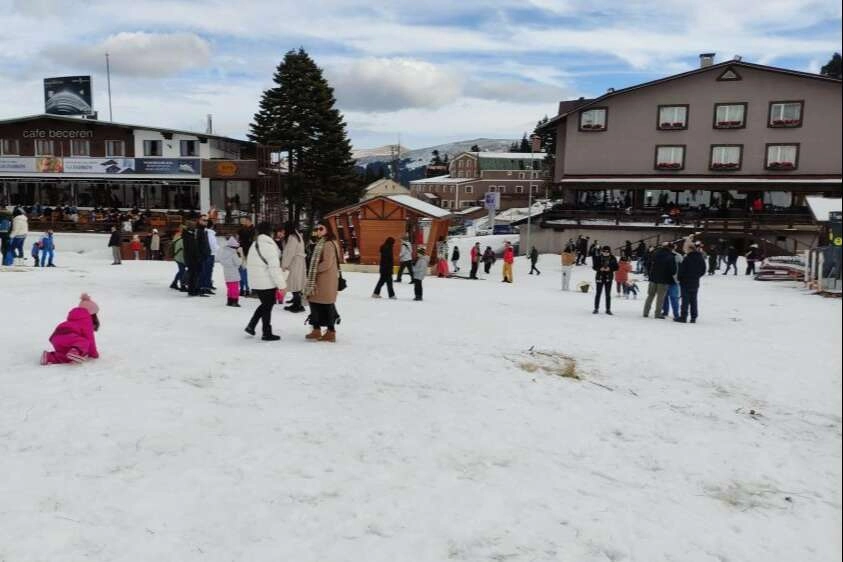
{"x": 662, "y": 267}
{"x": 387, "y": 261}
{"x": 732, "y": 255}
{"x": 691, "y": 269}
{"x": 114, "y": 240}
{"x": 246, "y": 236}
{"x": 601, "y": 261}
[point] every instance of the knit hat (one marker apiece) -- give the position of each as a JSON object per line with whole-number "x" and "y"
{"x": 232, "y": 242}
{"x": 89, "y": 305}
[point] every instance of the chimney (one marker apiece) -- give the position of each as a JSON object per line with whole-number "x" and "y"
{"x": 706, "y": 59}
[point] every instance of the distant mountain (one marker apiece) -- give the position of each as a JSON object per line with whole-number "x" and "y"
{"x": 412, "y": 162}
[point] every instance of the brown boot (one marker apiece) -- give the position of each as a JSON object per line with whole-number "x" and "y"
{"x": 314, "y": 335}
{"x": 329, "y": 336}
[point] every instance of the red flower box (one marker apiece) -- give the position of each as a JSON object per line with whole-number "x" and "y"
{"x": 787, "y": 165}
{"x": 666, "y": 125}
{"x": 679, "y": 125}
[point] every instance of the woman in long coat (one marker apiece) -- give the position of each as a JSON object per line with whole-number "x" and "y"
{"x": 322, "y": 284}
{"x": 293, "y": 262}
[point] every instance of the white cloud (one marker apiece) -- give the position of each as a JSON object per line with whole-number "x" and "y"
{"x": 138, "y": 53}
{"x": 378, "y": 84}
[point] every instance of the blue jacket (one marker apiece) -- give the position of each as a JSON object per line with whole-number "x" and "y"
{"x": 47, "y": 244}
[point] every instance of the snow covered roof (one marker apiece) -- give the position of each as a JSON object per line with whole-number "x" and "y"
{"x": 468, "y": 211}
{"x": 419, "y": 205}
{"x": 822, "y": 206}
{"x": 511, "y": 155}
{"x": 440, "y": 179}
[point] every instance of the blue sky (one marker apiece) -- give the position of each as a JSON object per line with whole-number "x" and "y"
{"x": 430, "y": 72}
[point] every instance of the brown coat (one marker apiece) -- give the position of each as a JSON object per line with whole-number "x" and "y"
{"x": 568, "y": 258}
{"x": 327, "y": 276}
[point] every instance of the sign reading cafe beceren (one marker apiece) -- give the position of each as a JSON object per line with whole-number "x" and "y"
{"x": 57, "y": 134}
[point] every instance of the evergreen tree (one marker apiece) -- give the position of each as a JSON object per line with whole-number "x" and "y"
{"x": 833, "y": 67}
{"x": 524, "y": 146}
{"x": 436, "y": 159}
{"x": 515, "y": 146}
{"x": 475, "y": 148}
{"x": 547, "y": 143}
{"x": 299, "y": 116}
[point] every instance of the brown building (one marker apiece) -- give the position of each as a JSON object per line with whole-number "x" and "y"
{"x": 473, "y": 174}
{"x": 720, "y": 137}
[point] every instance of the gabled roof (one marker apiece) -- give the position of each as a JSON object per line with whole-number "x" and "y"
{"x": 80, "y": 121}
{"x": 568, "y": 107}
{"x": 441, "y": 179}
{"x": 407, "y": 201}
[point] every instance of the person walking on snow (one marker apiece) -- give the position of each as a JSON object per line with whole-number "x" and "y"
{"x": 135, "y": 246}
{"x": 419, "y": 271}
{"x": 245, "y": 236}
{"x": 73, "y": 340}
{"x": 208, "y": 266}
{"x": 405, "y": 259}
{"x": 508, "y": 259}
{"x": 293, "y": 264}
{"x": 441, "y": 258}
{"x": 155, "y": 244}
{"x": 753, "y": 255}
{"x": 568, "y": 260}
{"x": 671, "y": 299}
{"x": 604, "y": 265}
{"x": 691, "y": 270}
{"x": 488, "y": 259}
{"x": 230, "y": 261}
{"x": 731, "y": 260}
{"x": 266, "y": 278}
{"x": 114, "y": 244}
{"x": 455, "y": 259}
{"x": 474, "y": 256}
{"x": 20, "y": 228}
{"x": 386, "y": 266}
{"x": 323, "y": 285}
{"x": 179, "y": 282}
{"x": 662, "y": 270}
{"x": 534, "y": 258}
{"x": 712, "y": 260}
{"x": 36, "y": 253}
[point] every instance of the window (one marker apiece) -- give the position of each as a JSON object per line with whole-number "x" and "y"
{"x": 44, "y": 148}
{"x": 729, "y": 115}
{"x": 782, "y": 156}
{"x": 534, "y": 188}
{"x": 115, "y": 148}
{"x": 726, "y": 157}
{"x": 10, "y": 147}
{"x": 188, "y": 147}
{"x": 519, "y": 189}
{"x": 521, "y": 176}
{"x": 468, "y": 189}
{"x": 152, "y": 148}
{"x": 593, "y": 119}
{"x": 785, "y": 114}
{"x": 673, "y": 117}
{"x": 670, "y": 157}
{"x": 492, "y": 189}
{"x": 80, "y": 147}
{"x": 467, "y": 204}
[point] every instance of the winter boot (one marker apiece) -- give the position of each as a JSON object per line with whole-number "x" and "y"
{"x": 174, "y": 285}
{"x": 250, "y": 329}
{"x": 268, "y": 335}
{"x": 232, "y": 302}
{"x": 314, "y": 335}
{"x": 329, "y": 336}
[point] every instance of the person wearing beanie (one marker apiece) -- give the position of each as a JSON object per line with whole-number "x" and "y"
{"x": 155, "y": 244}
{"x": 604, "y": 265}
{"x": 419, "y": 271}
{"x": 230, "y": 260}
{"x": 73, "y": 340}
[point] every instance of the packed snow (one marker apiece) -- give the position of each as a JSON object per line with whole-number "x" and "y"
{"x": 489, "y": 422}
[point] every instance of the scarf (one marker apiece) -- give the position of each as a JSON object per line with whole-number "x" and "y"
{"x": 314, "y": 265}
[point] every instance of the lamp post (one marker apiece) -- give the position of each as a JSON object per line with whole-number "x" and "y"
{"x": 530, "y": 197}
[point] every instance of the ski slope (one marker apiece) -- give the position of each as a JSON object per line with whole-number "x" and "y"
{"x": 428, "y": 432}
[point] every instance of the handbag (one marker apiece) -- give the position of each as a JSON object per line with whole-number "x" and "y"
{"x": 341, "y": 282}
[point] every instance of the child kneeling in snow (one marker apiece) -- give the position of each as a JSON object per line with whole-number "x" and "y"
{"x": 73, "y": 339}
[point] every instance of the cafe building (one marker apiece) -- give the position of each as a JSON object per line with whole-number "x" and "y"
{"x": 56, "y": 161}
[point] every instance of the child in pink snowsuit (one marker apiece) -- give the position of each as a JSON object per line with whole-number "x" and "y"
{"x": 73, "y": 339}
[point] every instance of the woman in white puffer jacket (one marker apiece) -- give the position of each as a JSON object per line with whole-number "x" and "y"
{"x": 265, "y": 279}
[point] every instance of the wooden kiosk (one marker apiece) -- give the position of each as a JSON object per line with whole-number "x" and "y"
{"x": 361, "y": 228}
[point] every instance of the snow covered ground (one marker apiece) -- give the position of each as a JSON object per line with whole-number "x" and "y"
{"x": 428, "y": 432}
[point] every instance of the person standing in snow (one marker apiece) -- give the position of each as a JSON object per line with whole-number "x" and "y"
{"x": 534, "y": 258}
{"x": 508, "y": 260}
{"x": 671, "y": 299}
{"x": 568, "y": 260}
{"x": 622, "y": 274}
{"x": 405, "y": 259}
{"x": 179, "y": 282}
{"x": 690, "y": 271}
{"x": 293, "y": 264}
{"x": 752, "y": 256}
{"x": 386, "y": 267}
{"x": 114, "y": 244}
{"x": 20, "y": 228}
{"x": 662, "y": 270}
{"x": 475, "y": 260}
{"x": 604, "y": 265}
{"x": 36, "y": 253}
{"x": 442, "y": 258}
{"x": 5, "y": 229}
{"x": 731, "y": 260}
{"x": 48, "y": 248}
{"x": 419, "y": 271}
{"x": 155, "y": 244}
{"x": 582, "y": 250}
{"x": 713, "y": 260}
{"x": 640, "y": 255}
{"x": 210, "y": 260}
{"x": 488, "y": 259}
{"x": 73, "y": 340}
{"x": 230, "y": 261}
{"x": 266, "y": 278}
{"x": 323, "y": 284}
{"x": 455, "y": 259}
{"x": 135, "y": 246}
{"x": 245, "y": 236}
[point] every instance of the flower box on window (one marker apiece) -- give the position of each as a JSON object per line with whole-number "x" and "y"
{"x": 677, "y": 124}
{"x": 786, "y": 122}
{"x": 729, "y": 124}
{"x": 668, "y": 166}
{"x": 781, "y": 165}
{"x": 724, "y": 165}
{"x": 586, "y": 126}
{"x": 669, "y": 125}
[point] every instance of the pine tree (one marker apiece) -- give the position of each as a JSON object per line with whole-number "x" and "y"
{"x": 299, "y": 116}
{"x": 524, "y": 146}
{"x": 833, "y": 67}
{"x": 475, "y": 148}
{"x": 436, "y": 159}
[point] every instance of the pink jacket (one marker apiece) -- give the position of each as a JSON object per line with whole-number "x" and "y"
{"x": 77, "y": 331}
{"x": 508, "y": 255}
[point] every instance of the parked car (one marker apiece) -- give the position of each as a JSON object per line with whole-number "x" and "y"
{"x": 505, "y": 229}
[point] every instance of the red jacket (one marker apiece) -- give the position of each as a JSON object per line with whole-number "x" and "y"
{"x": 508, "y": 255}
{"x": 475, "y": 254}
{"x": 622, "y": 274}
{"x": 135, "y": 245}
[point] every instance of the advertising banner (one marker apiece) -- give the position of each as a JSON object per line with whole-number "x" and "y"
{"x": 49, "y": 165}
{"x": 17, "y": 164}
{"x": 167, "y": 166}
{"x": 99, "y": 165}
{"x": 68, "y": 95}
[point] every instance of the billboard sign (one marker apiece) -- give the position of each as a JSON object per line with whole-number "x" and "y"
{"x": 167, "y": 166}
{"x": 99, "y": 165}
{"x": 17, "y": 164}
{"x": 492, "y": 200}
{"x": 68, "y": 95}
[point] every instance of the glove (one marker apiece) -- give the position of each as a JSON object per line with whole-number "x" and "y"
{"x": 279, "y": 296}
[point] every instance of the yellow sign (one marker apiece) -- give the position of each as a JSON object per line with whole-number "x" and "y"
{"x": 838, "y": 241}
{"x": 226, "y": 168}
